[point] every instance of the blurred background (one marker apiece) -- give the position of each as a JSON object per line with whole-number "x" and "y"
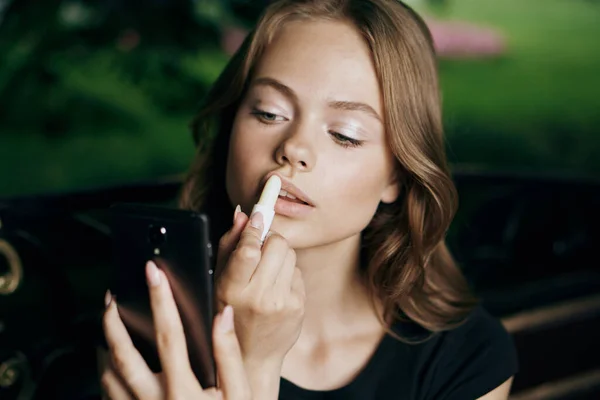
{"x": 95, "y": 101}
{"x": 94, "y": 93}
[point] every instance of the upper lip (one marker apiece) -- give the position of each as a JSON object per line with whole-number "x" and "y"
{"x": 291, "y": 188}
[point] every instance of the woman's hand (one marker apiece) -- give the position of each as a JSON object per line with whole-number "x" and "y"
{"x": 127, "y": 376}
{"x": 267, "y": 292}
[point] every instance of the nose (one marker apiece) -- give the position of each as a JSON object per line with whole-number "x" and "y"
{"x": 297, "y": 150}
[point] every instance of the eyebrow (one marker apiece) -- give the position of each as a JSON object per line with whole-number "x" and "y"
{"x": 275, "y": 84}
{"x": 335, "y": 104}
{"x": 355, "y": 106}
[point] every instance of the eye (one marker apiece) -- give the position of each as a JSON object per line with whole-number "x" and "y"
{"x": 267, "y": 117}
{"x": 345, "y": 141}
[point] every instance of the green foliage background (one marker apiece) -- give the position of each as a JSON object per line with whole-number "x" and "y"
{"x": 100, "y": 92}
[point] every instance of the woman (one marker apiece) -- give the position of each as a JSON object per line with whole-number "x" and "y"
{"x": 354, "y": 295}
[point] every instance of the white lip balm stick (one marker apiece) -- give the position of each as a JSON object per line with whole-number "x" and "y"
{"x": 266, "y": 203}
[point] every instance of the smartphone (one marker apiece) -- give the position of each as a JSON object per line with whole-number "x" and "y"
{"x": 178, "y": 242}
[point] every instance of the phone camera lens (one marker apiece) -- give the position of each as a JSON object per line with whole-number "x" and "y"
{"x": 157, "y": 235}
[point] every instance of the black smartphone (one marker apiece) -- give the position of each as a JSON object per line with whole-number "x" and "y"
{"x": 178, "y": 242}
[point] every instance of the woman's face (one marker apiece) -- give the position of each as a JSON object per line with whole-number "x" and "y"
{"x": 313, "y": 115}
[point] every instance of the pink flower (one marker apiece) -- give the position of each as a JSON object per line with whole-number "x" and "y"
{"x": 462, "y": 40}
{"x": 452, "y": 40}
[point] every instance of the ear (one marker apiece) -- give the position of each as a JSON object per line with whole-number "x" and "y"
{"x": 391, "y": 191}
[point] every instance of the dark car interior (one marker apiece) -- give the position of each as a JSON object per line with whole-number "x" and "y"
{"x": 526, "y": 243}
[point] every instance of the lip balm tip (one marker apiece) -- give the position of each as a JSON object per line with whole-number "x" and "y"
{"x": 266, "y": 203}
{"x": 270, "y": 192}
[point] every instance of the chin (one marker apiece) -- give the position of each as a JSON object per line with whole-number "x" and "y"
{"x": 294, "y": 234}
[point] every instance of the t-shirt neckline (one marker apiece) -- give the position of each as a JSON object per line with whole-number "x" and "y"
{"x": 364, "y": 373}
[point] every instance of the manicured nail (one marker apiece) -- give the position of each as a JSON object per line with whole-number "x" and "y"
{"x": 226, "y": 321}
{"x": 152, "y": 274}
{"x": 236, "y": 212}
{"x": 107, "y": 298}
{"x": 256, "y": 221}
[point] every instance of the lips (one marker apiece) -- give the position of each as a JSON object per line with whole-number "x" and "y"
{"x": 292, "y": 208}
{"x": 290, "y": 197}
{"x": 290, "y": 192}
{"x": 292, "y": 202}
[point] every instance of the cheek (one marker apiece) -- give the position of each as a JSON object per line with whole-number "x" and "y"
{"x": 355, "y": 193}
{"x": 360, "y": 179}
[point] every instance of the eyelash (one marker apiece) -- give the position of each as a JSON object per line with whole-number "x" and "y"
{"x": 260, "y": 116}
{"x": 345, "y": 141}
{"x": 340, "y": 139}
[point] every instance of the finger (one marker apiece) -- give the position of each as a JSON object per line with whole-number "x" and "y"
{"x": 283, "y": 283}
{"x": 170, "y": 337}
{"x": 126, "y": 360}
{"x": 228, "y": 357}
{"x": 247, "y": 253}
{"x": 272, "y": 260}
{"x": 212, "y": 394}
{"x": 112, "y": 387}
{"x": 252, "y": 233}
{"x": 102, "y": 360}
{"x": 230, "y": 239}
{"x": 106, "y": 381}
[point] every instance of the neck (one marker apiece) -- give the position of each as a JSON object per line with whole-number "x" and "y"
{"x": 337, "y": 301}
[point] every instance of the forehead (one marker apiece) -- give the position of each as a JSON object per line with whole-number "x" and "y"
{"x": 322, "y": 60}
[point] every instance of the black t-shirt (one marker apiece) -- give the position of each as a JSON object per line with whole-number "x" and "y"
{"x": 462, "y": 364}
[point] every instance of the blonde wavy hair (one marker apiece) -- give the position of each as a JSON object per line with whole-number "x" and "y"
{"x": 407, "y": 265}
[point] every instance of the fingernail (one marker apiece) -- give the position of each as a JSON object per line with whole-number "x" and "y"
{"x": 256, "y": 221}
{"x": 152, "y": 274}
{"x": 107, "y": 298}
{"x": 226, "y": 322}
{"x": 236, "y": 212}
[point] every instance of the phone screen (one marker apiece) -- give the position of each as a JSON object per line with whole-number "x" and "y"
{"x": 178, "y": 242}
